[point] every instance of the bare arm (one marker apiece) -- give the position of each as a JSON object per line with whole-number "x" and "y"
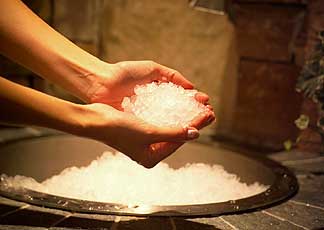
{"x": 146, "y": 144}
{"x": 28, "y": 40}
{"x": 22, "y": 105}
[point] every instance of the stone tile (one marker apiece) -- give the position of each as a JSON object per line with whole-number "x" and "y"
{"x": 315, "y": 165}
{"x": 20, "y": 227}
{"x": 30, "y": 218}
{"x": 86, "y": 221}
{"x": 308, "y": 217}
{"x": 301, "y": 162}
{"x": 293, "y": 155}
{"x": 311, "y": 189}
{"x": 6, "y": 208}
{"x": 201, "y": 223}
{"x": 33, "y": 216}
{"x": 8, "y": 202}
{"x": 258, "y": 220}
{"x": 158, "y": 223}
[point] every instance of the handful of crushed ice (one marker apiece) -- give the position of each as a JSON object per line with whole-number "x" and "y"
{"x": 163, "y": 104}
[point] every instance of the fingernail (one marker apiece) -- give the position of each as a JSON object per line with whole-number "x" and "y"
{"x": 192, "y": 134}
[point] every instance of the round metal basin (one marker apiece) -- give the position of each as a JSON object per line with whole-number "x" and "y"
{"x": 44, "y": 157}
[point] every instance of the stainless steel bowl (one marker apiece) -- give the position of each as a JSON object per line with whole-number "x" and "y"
{"x": 44, "y": 157}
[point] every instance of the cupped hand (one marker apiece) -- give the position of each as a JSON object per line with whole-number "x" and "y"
{"x": 116, "y": 81}
{"x": 144, "y": 143}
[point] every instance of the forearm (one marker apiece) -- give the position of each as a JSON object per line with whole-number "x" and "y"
{"x": 25, "y": 38}
{"x": 21, "y": 105}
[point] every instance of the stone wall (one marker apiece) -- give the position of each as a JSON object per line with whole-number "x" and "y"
{"x": 201, "y": 45}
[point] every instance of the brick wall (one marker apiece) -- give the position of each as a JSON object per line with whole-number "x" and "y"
{"x": 270, "y": 42}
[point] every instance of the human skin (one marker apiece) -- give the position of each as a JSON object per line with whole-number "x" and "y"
{"x": 26, "y": 39}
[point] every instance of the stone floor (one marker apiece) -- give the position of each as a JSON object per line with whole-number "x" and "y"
{"x": 304, "y": 211}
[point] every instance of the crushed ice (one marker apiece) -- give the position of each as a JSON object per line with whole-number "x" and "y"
{"x": 116, "y": 179}
{"x": 163, "y": 104}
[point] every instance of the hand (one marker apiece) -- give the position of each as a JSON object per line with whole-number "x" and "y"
{"x": 144, "y": 143}
{"x": 116, "y": 81}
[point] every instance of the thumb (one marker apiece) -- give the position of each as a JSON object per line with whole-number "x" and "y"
{"x": 177, "y": 134}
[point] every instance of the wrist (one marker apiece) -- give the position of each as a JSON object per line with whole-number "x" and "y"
{"x": 76, "y": 71}
{"x": 83, "y": 76}
{"x": 77, "y": 121}
{"x": 99, "y": 80}
{"x": 86, "y": 120}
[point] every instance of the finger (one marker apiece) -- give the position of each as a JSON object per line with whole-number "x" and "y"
{"x": 202, "y": 97}
{"x": 210, "y": 107}
{"x": 159, "y": 151}
{"x": 176, "y": 134}
{"x": 171, "y": 75}
{"x": 203, "y": 119}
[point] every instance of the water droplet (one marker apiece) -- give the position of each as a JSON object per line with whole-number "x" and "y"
{"x": 285, "y": 175}
{"x": 28, "y": 197}
{"x": 232, "y": 201}
{"x": 132, "y": 206}
{"x": 268, "y": 192}
{"x": 236, "y": 207}
{"x": 62, "y": 202}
